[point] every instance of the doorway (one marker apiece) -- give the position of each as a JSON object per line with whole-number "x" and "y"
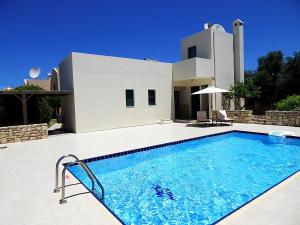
{"x": 195, "y": 101}
{"x": 176, "y": 102}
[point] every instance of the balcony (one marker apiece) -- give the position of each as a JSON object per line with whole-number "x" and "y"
{"x": 192, "y": 69}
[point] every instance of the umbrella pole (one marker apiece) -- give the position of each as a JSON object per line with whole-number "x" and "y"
{"x": 216, "y": 106}
{"x": 211, "y": 107}
{"x": 215, "y": 101}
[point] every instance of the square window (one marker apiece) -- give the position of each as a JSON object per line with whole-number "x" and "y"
{"x": 129, "y": 97}
{"x": 192, "y": 52}
{"x": 151, "y": 97}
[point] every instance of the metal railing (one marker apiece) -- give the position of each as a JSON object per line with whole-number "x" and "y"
{"x": 56, "y": 189}
{"x": 90, "y": 174}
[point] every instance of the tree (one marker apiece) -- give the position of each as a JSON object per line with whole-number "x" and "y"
{"x": 270, "y": 68}
{"x": 272, "y": 63}
{"x": 45, "y": 110}
{"x": 40, "y": 105}
{"x": 249, "y": 75}
{"x": 39, "y": 108}
{"x": 3, "y": 110}
{"x": 289, "y": 81}
{"x": 28, "y": 87}
{"x": 226, "y": 100}
{"x": 267, "y": 87}
{"x": 277, "y": 77}
{"x": 244, "y": 91}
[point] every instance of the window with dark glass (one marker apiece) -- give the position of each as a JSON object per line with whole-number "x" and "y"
{"x": 192, "y": 52}
{"x": 129, "y": 98}
{"x": 151, "y": 97}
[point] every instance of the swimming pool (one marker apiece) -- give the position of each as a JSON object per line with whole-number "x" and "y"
{"x": 193, "y": 182}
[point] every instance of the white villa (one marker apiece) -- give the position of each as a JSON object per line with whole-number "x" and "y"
{"x": 165, "y": 172}
{"x": 112, "y": 92}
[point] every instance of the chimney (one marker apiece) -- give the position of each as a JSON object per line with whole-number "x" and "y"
{"x": 238, "y": 50}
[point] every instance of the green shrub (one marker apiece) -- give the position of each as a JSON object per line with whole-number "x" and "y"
{"x": 28, "y": 87}
{"x": 45, "y": 110}
{"x": 289, "y": 103}
{"x": 40, "y": 108}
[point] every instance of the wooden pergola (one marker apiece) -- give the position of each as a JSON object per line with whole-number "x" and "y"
{"x": 25, "y": 95}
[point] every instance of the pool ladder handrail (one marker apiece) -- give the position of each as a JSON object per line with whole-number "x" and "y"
{"x": 56, "y": 189}
{"x": 90, "y": 174}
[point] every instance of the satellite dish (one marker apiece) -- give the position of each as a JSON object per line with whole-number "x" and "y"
{"x": 218, "y": 27}
{"x": 207, "y": 26}
{"x": 34, "y": 72}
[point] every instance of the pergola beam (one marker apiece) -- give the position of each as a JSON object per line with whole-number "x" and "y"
{"x": 24, "y": 99}
{"x": 25, "y": 95}
{"x": 24, "y": 107}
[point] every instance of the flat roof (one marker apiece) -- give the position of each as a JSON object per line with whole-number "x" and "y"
{"x": 37, "y": 92}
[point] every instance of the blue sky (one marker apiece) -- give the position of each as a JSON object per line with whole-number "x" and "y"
{"x": 42, "y": 33}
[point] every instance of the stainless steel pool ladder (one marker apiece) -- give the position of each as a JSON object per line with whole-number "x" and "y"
{"x": 90, "y": 174}
{"x": 56, "y": 189}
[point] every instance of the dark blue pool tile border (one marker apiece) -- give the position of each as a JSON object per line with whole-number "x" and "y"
{"x": 127, "y": 152}
{"x": 174, "y": 143}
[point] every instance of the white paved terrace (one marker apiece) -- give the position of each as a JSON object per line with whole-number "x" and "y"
{"x": 27, "y": 177}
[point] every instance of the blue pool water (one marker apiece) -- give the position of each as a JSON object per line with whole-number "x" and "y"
{"x": 195, "y": 182}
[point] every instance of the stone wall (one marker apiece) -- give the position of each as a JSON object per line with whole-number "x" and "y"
{"x": 240, "y": 116}
{"x": 281, "y": 118}
{"x": 23, "y": 133}
{"x": 285, "y": 118}
{"x": 259, "y": 119}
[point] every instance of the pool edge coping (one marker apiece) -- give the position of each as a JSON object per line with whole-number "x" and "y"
{"x": 142, "y": 149}
{"x": 148, "y": 148}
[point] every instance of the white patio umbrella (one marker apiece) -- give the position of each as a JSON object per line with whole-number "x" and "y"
{"x": 211, "y": 90}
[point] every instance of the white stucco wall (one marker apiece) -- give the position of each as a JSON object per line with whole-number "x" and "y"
{"x": 99, "y": 91}
{"x": 215, "y": 49}
{"x": 224, "y": 68}
{"x": 68, "y": 102}
{"x": 238, "y": 47}
{"x": 192, "y": 68}
{"x": 201, "y": 40}
{"x": 99, "y": 83}
{"x": 184, "y": 69}
{"x": 224, "y": 62}
{"x": 211, "y": 45}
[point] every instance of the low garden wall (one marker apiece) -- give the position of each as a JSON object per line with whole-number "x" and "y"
{"x": 240, "y": 116}
{"x": 285, "y": 118}
{"x": 13, "y": 134}
{"x": 280, "y": 118}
